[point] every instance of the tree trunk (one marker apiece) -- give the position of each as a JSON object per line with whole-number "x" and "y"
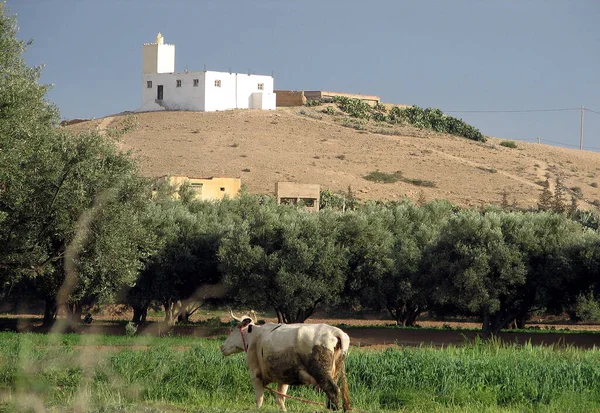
{"x": 139, "y": 315}
{"x": 183, "y": 317}
{"x": 520, "y": 321}
{"x": 486, "y": 324}
{"x": 50, "y": 311}
{"x": 280, "y": 316}
{"x": 411, "y": 320}
{"x": 285, "y": 317}
{"x": 492, "y": 324}
{"x": 172, "y": 311}
{"x": 405, "y": 315}
{"x": 74, "y": 313}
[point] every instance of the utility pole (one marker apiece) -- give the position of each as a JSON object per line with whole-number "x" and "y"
{"x": 538, "y": 139}
{"x": 581, "y": 131}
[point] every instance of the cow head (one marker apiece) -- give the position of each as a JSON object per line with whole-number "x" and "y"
{"x": 235, "y": 342}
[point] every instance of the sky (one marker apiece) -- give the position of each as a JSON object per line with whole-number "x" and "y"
{"x": 502, "y": 66}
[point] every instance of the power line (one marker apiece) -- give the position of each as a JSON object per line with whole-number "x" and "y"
{"x": 545, "y": 142}
{"x": 593, "y": 111}
{"x": 513, "y": 111}
{"x": 559, "y": 143}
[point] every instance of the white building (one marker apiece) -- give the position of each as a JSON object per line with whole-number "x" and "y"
{"x": 163, "y": 89}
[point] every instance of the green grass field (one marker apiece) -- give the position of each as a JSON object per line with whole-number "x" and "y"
{"x": 130, "y": 374}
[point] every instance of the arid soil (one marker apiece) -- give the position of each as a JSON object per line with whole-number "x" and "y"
{"x": 307, "y": 146}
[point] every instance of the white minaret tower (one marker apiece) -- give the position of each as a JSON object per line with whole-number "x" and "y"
{"x": 158, "y": 57}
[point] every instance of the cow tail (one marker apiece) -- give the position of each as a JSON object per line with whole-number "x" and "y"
{"x": 344, "y": 391}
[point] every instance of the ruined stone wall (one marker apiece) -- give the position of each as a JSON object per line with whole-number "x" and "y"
{"x": 324, "y": 95}
{"x": 290, "y": 98}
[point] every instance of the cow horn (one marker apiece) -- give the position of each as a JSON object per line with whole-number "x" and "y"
{"x": 234, "y": 317}
{"x": 253, "y": 316}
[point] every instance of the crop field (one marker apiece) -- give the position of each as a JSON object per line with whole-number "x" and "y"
{"x": 99, "y": 373}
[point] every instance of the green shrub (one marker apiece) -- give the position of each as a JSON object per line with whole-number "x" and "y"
{"x": 130, "y": 329}
{"x": 508, "y": 144}
{"x": 386, "y": 178}
{"x": 395, "y": 115}
{"x": 380, "y": 107}
{"x": 357, "y": 108}
{"x": 419, "y": 182}
{"x": 587, "y": 307}
{"x": 313, "y": 102}
{"x": 380, "y": 117}
{"x": 430, "y": 118}
{"x": 329, "y": 110}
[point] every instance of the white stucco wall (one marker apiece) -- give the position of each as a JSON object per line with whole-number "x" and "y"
{"x": 263, "y": 101}
{"x": 158, "y": 58}
{"x": 166, "y": 58}
{"x": 223, "y": 97}
{"x": 248, "y": 85}
{"x": 185, "y": 97}
{"x": 236, "y": 91}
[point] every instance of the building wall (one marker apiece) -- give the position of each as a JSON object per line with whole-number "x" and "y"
{"x": 158, "y": 58}
{"x": 211, "y": 188}
{"x": 247, "y": 88}
{"x": 218, "y": 188}
{"x": 322, "y": 94}
{"x": 220, "y": 97}
{"x": 235, "y": 91}
{"x": 296, "y": 192}
{"x": 290, "y": 98}
{"x": 185, "y": 97}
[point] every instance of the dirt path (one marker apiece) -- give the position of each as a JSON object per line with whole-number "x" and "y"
{"x": 104, "y": 124}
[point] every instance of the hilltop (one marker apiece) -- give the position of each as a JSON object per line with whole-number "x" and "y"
{"x": 306, "y": 145}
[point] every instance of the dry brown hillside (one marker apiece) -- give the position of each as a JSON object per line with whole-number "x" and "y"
{"x": 305, "y": 145}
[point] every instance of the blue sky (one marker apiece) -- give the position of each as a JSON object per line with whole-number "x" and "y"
{"x": 454, "y": 55}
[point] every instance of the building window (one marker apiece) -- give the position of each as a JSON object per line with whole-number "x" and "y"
{"x": 196, "y": 82}
{"x": 149, "y": 84}
{"x": 178, "y": 83}
{"x": 290, "y": 201}
{"x": 222, "y": 189}
{"x": 261, "y": 86}
{"x": 308, "y": 202}
{"x": 217, "y": 83}
{"x": 197, "y": 187}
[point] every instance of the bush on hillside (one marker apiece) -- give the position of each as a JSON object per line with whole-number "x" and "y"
{"x": 357, "y": 108}
{"x": 430, "y": 118}
{"x": 508, "y": 144}
{"x": 386, "y": 178}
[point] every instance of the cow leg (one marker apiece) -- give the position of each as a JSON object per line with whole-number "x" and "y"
{"x": 307, "y": 378}
{"x": 332, "y": 391}
{"x": 279, "y": 399}
{"x": 320, "y": 367}
{"x": 259, "y": 391}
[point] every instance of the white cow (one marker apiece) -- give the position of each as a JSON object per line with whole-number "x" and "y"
{"x": 292, "y": 354}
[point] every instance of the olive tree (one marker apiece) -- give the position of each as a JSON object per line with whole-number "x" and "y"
{"x": 473, "y": 269}
{"x": 59, "y": 194}
{"x": 415, "y": 229}
{"x": 366, "y": 236}
{"x": 180, "y": 273}
{"x": 386, "y": 244}
{"x": 284, "y": 259}
{"x": 546, "y": 241}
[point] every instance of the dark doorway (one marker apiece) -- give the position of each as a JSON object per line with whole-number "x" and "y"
{"x": 159, "y": 92}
